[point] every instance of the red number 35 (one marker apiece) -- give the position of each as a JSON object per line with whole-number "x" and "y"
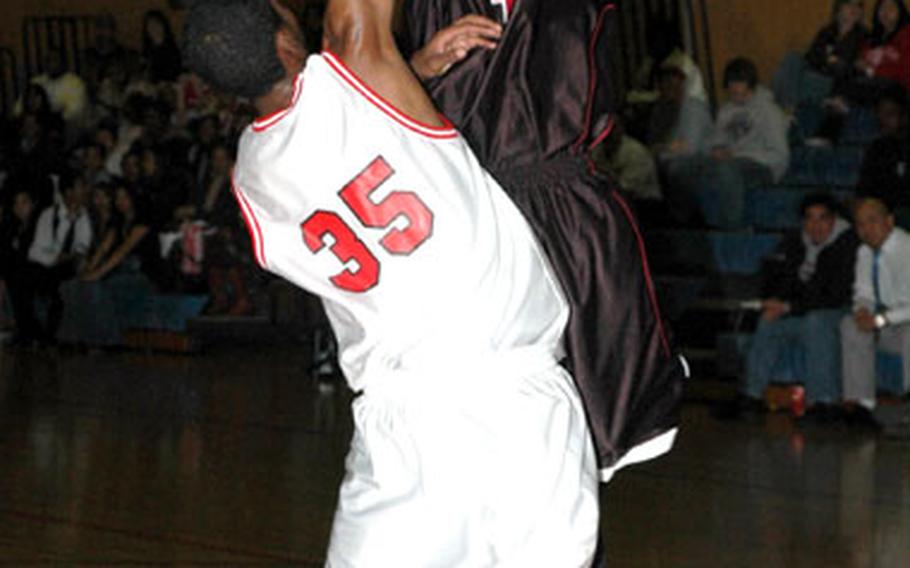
{"x": 349, "y": 247}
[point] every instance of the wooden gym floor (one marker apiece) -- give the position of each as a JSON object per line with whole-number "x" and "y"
{"x": 233, "y": 458}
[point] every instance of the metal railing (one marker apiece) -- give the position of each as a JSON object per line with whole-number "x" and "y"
{"x": 70, "y": 36}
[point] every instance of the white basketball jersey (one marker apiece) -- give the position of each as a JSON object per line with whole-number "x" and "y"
{"x": 416, "y": 251}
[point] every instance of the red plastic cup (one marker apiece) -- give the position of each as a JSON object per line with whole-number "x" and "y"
{"x": 798, "y": 401}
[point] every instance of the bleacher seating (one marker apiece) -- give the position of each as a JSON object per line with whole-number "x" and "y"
{"x": 704, "y": 275}
{"x": 824, "y": 167}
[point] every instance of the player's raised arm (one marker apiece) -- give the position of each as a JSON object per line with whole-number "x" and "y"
{"x": 360, "y": 33}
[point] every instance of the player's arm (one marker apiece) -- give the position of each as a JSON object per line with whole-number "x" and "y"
{"x": 360, "y": 33}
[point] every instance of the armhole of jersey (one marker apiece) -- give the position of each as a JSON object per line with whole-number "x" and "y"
{"x": 252, "y": 224}
{"x": 348, "y": 76}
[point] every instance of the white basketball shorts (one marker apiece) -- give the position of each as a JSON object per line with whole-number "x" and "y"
{"x": 493, "y": 469}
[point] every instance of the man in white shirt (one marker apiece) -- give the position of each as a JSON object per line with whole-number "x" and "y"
{"x": 881, "y": 302}
{"x": 62, "y": 239}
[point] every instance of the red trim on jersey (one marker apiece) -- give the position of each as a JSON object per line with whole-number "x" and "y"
{"x": 263, "y": 123}
{"x": 646, "y": 269}
{"x": 592, "y": 71}
{"x": 611, "y": 123}
{"x": 430, "y": 131}
{"x": 252, "y": 224}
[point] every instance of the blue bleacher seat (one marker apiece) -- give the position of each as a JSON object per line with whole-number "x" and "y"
{"x": 170, "y": 312}
{"x": 836, "y": 166}
{"x": 711, "y": 251}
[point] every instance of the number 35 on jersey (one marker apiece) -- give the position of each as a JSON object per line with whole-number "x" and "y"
{"x": 326, "y": 228}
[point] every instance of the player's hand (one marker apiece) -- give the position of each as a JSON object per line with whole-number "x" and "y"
{"x": 452, "y": 44}
{"x": 865, "y": 320}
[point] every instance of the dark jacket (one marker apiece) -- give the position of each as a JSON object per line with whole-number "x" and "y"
{"x": 15, "y": 240}
{"x": 885, "y": 172}
{"x": 831, "y": 286}
{"x": 846, "y": 49}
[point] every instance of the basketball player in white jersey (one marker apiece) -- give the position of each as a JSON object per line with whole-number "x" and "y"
{"x": 470, "y": 446}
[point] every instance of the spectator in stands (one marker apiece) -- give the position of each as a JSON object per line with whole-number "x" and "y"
{"x": 94, "y": 158}
{"x": 748, "y": 148}
{"x": 884, "y": 61}
{"x": 887, "y": 54}
{"x": 159, "y": 48}
{"x": 665, "y": 47}
{"x": 885, "y": 172}
{"x": 116, "y": 281}
{"x": 34, "y": 160}
{"x": 107, "y": 60}
{"x": 66, "y": 91}
{"x": 36, "y": 102}
{"x": 131, "y": 167}
{"x": 881, "y": 303}
{"x": 129, "y": 246}
{"x": 17, "y": 231}
{"x": 163, "y": 185}
{"x": 631, "y": 163}
{"x": 101, "y": 211}
{"x": 205, "y": 131}
{"x": 213, "y": 204}
{"x": 63, "y": 237}
{"x": 680, "y": 123}
{"x": 829, "y": 63}
{"x": 806, "y": 291}
{"x": 115, "y": 139}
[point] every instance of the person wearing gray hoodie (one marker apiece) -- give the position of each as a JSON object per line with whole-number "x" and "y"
{"x": 747, "y": 148}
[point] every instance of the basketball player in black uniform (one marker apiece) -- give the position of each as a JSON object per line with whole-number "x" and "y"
{"x": 533, "y": 102}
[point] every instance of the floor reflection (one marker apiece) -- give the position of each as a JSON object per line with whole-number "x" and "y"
{"x": 235, "y": 457}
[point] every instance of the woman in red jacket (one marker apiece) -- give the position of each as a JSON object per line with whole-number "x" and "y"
{"x": 887, "y": 53}
{"x": 883, "y": 62}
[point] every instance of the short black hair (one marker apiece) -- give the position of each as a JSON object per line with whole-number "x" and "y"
{"x": 822, "y": 199}
{"x": 743, "y": 70}
{"x": 230, "y": 44}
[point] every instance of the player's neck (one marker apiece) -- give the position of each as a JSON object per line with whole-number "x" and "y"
{"x": 278, "y": 98}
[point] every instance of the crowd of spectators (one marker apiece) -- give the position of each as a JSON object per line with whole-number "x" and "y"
{"x": 116, "y": 183}
{"x": 834, "y": 292}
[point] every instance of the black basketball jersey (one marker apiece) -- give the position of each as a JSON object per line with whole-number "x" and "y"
{"x": 532, "y": 108}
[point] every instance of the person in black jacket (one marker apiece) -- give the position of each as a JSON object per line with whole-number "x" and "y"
{"x": 829, "y": 62}
{"x": 807, "y": 289}
{"x": 885, "y": 173}
{"x": 17, "y": 231}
